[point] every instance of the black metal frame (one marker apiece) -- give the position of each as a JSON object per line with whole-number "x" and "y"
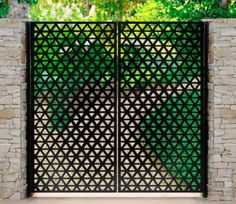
{"x": 131, "y": 178}
{"x": 93, "y": 87}
{"x": 30, "y": 123}
{"x": 117, "y": 104}
{"x": 204, "y": 126}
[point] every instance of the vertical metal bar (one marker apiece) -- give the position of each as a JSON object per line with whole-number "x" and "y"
{"x": 30, "y": 116}
{"x": 204, "y": 103}
{"x": 118, "y": 107}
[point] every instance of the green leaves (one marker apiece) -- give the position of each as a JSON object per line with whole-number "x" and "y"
{"x": 51, "y": 10}
{"x": 186, "y": 10}
{"x": 125, "y": 10}
{"x": 4, "y": 9}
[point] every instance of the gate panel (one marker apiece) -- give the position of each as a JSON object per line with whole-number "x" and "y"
{"x": 161, "y": 110}
{"x": 72, "y": 107}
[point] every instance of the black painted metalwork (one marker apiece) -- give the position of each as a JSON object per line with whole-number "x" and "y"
{"x": 162, "y": 114}
{"x": 77, "y": 126}
{"x": 73, "y": 88}
{"x": 204, "y": 108}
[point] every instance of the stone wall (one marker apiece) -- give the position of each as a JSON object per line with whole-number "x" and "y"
{"x": 12, "y": 108}
{"x": 222, "y": 109}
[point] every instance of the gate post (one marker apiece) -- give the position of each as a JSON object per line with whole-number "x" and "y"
{"x": 222, "y": 109}
{"x": 12, "y": 109}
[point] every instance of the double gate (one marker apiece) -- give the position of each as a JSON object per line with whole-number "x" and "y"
{"x": 117, "y": 107}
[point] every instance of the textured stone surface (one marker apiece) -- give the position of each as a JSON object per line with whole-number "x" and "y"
{"x": 228, "y": 113}
{"x": 222, "y": 109}
{"x": 12, "y": 109}
{"x": 7, "y": 113}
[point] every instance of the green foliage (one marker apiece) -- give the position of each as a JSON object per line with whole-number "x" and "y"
{"x": 54, "y": 10}
{"x": 4, "y": 8}
{"x": 134, "y": 10}
{"x": 186, "y": 10}
{"x": 83, "y": 10}
{"x": 28, "y": 1}
{"x": 61, "y": 54}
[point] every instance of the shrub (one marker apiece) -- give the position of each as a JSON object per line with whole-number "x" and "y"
{"x": 4, "y": 8}
{"x": 186, "y": 10}
{"x": 52, "y": 10}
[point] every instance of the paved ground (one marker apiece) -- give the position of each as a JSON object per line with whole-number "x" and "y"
{"x": 115, "y": 201}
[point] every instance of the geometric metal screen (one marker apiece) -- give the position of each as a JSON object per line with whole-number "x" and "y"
{"x": 117, "y": 107}
{"x": 161, "y": 107}
{"x": 73, "y": 107}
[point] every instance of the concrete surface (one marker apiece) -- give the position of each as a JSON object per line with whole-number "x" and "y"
{"x": 115, "y": 201}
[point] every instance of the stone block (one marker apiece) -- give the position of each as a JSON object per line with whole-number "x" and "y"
{"x": 16, "y": 140}
{"x": 217, "y": 100}
{"x": 220, "y": 165}
{"x": 228, "y": 158}
{"x": 15, "y": 132}
{"x": 225, "y": 173}
{"x": 221, "y": 89}
{"x": 4, "y": 149}
{"x": 219, "y": 132}
{"x": 228, "y": 32}
{"x": 222, "y": 43}
{"x": 218, "y": 185}
{"x": 231, "y": 148}
{"x": 16, "y": 196}
{"x": 228, "y": 184}
{"x": 216, "y": 158}
{"x": 226, "y": 80}
{"x": 6, "y": 100}
{"x": 7, "y": 113}
{"x": 11, "y": 177}
{"x": 13, "y": 89}
{"x": 228, "y": 100}
{"x": 4, "y": 133}
{"x": 228, "y": 113}
{"x": 7, "y": 31}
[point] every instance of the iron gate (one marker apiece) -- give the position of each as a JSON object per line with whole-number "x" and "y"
{"x": 117, "y": 107}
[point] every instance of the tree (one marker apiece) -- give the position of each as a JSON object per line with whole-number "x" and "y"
{"x": 225, "y": 3}
{"x": 182, "y": 10}
{"x": 4, "y": 8}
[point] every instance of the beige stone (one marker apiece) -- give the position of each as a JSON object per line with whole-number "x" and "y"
{"x": 7, "y": 31}
{"x": 7, "y": 113}
{"x": 221, "y": 108}
{"x": 229, "y": 136}
{"x": 12, "y": 69}
{"x": 6, "y": 100}
{"x": 231, "y": 148}
{"x": 4, "y": 147}
{"x": 228, "y": 113}
{"x": 221, "y": 89}
{"x": 228, "y": 32}
{"x": 224, "y": 172}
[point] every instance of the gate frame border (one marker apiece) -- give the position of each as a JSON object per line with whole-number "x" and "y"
{"x": 30, "y": 115}
{"x": 204, "y": 126}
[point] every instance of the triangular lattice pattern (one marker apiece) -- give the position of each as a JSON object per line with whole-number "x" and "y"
{"x": 74, "y": 107}
{"x": 160, "y": 110}
{"x": 160, "y": 107}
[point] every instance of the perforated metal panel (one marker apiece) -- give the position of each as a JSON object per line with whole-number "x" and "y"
{"x": 73, "y": 107}
{"x": 83, "y": 91}
{"x": 161, "y": 73}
